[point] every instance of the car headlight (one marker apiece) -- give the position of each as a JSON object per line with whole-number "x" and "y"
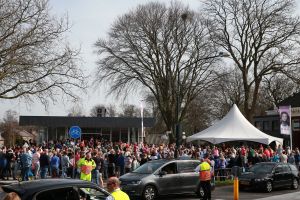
{"x": 135, "y": 182}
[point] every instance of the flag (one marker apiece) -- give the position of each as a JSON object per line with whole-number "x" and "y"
{"x": 285, "y": 120}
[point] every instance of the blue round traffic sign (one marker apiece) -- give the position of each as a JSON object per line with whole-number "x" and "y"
{"x": 75, "y": 132}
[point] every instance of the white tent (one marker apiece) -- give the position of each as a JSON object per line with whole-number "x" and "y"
{"x": 233, "y": 127}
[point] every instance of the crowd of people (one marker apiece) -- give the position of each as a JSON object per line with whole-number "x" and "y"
{"x": 96, "y": 160}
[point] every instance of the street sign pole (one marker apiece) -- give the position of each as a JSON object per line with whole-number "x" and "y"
{"x": 75, "y": 133}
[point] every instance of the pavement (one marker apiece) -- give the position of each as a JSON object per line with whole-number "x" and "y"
{"x": 290, "y": 196}
{"x": 223, "y": 193}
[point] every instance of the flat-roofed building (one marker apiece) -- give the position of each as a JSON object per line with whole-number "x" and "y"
{"x": 270, "y": 123}
{"x": 109, "y": 128}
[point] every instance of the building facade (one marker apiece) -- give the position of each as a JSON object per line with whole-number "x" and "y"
{"x": 108, "y": 128}
{"x": 270, "y": 123}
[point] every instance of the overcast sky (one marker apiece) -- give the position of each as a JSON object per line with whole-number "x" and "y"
{"x": 90, "y": 19}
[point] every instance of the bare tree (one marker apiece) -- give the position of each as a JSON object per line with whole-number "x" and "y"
{"x": 198, "y": 116}
{"x": 110, "y": 109}
{"x": 262, "y": 37}
{"x": 35, "y": 59}
{"x": 228, "y": 91}
{"x": 76, "y": 110}
{"x": 9, "y": 127}
{"x": 163, "y": 50}
{"x": 129, "y": 110}
{"x": 277, "y": 88}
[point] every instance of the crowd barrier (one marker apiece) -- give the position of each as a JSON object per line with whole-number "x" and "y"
{"x": 223, "y": 174}
{"x": 228, "y": 173}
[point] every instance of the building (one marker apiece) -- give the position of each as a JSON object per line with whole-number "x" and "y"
{"x": 108, "y": 128}
{"x": 270, "y": 123}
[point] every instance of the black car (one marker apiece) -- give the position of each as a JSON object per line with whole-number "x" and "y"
{"x": 269, "y": 175}
{"x": 162, "y": 177}
{"x": 56, "y": 189}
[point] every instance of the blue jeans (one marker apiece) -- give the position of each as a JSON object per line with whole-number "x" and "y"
{"x": 95, "y": 176}
{"x": 25, "y": 173}
{"x": 55, "y": 171}
{"x": 64, "y": 172}
{"x": 15, "y": 171}
{"x": 44, "y": 172}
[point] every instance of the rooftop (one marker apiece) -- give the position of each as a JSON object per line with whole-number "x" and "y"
{"x": 87, "y": 122}
{"x": 294, "y": 101}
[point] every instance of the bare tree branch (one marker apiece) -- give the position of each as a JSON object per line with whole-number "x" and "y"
{"x": 149, "y": 47}
{"x": 35, "y": 59}
{"x": 262, "y": 38}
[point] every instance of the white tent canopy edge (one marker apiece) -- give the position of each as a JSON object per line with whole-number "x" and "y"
{"x": 233, "y": 127}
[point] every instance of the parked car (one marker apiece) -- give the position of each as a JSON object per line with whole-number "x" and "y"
{"x": 162, "y": 177}
{"x": 269, "y": 175}
{"x": 56, "y": 189}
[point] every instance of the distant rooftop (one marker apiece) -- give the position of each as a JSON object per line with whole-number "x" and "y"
{"x": 87, "y": 122}
{"x": 294, "y": 100}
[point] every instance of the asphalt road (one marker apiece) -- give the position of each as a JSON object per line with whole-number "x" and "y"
{"x": 226, "y": 193}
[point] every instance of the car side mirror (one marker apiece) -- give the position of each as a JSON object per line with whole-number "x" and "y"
{"x": 162, "y": 173}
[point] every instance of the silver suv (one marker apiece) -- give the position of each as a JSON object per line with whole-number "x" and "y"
{"x": 162, "y": 177}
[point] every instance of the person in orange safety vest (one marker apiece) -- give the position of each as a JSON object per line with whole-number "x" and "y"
{"x": 205, "y": 178}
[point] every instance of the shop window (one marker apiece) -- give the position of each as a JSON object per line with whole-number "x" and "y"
{"x": 267, "y": 126}
{"x": 275, "y": 125}
{"x": 258, "y": 125}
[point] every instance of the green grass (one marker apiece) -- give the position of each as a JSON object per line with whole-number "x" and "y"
{"x": 222, "y": 183}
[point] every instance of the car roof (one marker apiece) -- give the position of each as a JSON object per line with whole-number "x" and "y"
{"x": 273, "y": 163}
{"x": 268, "y": 163}
{"x": 44, "y": 184}
{"x": 170, "y": 160}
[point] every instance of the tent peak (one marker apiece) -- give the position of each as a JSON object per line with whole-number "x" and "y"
{"x": 233, "y": 127}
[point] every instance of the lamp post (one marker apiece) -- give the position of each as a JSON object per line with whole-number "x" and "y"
{"x": 178, "y": 103}
{"x": 183, "y": 137}
{"x": 184, "y": 16}
{"x": 142, "y": 121}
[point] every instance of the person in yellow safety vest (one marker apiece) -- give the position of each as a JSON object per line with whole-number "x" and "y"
{"x": 113, "y": 186}
{"x": 86, "y": 166}
{"x": 205, "y": 178}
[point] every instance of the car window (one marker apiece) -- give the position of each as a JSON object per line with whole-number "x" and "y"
{"x": 148, "y": 168}
{"x": 170, "y": 168}
{"x": 91, "y": 194}
{"x": 184, "y": 167}
{"x": 262, "y": 168}
{"x": 58, "y": 194}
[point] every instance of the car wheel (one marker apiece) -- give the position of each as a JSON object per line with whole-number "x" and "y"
{"x": 149, "y": 193}
{"x": 200, "y": 192}
{"x": 269, "y": 186}
{"x": 295, "y": 184}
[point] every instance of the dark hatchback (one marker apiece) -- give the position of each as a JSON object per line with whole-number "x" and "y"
{"x": 162, "y": 177}
{"x": 269, "y": 175}
{"x": 56, "y": 189}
